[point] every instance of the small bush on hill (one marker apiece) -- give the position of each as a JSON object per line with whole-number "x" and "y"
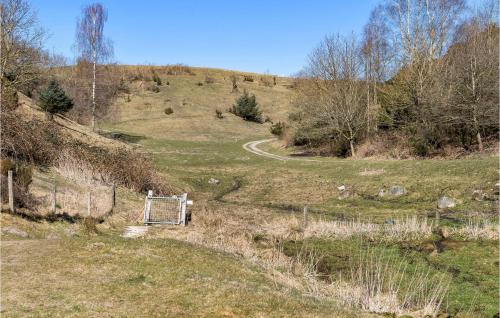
{"x": 169, "y": 111}
{"x": 247, "y": 108}
{"x": 248, "y": 78}
{"x": 218, "y": 114}
{"x": 156, "y": 79}
{"x": 54, "y": 100}
{"x": 278, "y": 129}
{"x": 209, "y": 79}
{"x": 266, "y": 82}
{"x": 199, "y": 83}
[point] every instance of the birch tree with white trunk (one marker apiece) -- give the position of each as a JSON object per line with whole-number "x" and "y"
{"x": 92, "y": 45}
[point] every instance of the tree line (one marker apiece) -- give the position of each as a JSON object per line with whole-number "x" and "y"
{"x": 425, "y": 70}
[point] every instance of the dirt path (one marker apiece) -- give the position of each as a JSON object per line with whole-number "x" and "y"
{"x": 252, "y": 147}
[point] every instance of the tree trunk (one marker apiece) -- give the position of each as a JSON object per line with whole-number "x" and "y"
{"x": 93, "y": 91}
{"x": 351, "y": 143}
{"x": 479, "y": 141}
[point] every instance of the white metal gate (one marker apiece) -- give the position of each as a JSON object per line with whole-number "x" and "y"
{"x": 166, "y": 210}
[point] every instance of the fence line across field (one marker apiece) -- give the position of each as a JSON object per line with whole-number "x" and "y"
{"x": 72, "y": 200}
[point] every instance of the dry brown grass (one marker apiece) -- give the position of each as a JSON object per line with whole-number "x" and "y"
{"x": 376, "y": 284}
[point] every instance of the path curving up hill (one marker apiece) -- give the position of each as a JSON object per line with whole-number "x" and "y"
{"x": 251, "y": 146}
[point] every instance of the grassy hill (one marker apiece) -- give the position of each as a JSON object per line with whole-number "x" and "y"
{"x": 194, "y": 102}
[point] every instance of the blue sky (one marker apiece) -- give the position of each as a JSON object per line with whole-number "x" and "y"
{"x": 256, "y": 36}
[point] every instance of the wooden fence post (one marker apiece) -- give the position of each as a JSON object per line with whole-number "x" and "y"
{"x": 11, "y": 191}
{"x": 305, "y": 217}
{"x": 89, "y": 203}
{"x": 54, "y": 202}
{"x": 113, "y": 195}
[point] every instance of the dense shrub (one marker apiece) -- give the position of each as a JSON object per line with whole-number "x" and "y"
{"x": 278, "y": 129}
{"x": 156, "y": 79}
{"x": 247, "y": 108}
{"x": 169, "y": 111}
{"x": 54, "y": 100}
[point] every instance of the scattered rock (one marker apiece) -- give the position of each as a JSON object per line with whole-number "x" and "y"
{"x": 445, "y": 202}
{"x": 135, "y": 231}
{"x": 70, "y": 232}
{"x": 479, "y": 195}
{"x": 96, "y": 245}
{"x": 344, "y": 195}
{"x": 213, "y": 181}
{"x": 14, "y": 231}
{"x": 397, "y": 190}
{"x": 341, "y": 188}
{"x": 444, "y": 232}
{"x": 381, "y": 193}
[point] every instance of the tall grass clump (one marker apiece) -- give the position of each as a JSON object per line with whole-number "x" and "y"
{"x": 384, "y": 285}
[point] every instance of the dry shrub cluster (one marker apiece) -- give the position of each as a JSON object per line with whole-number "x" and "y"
{"x": 33, "y": 140}
{"x": 82, "y": 162}
{"x": 43, "y": 143}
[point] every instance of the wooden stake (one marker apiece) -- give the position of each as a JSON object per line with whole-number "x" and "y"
{"x": 305, "y": 217}
{"x": 54, "y": 202}
{"x": 113, "y": 195}
{"x": 11, "y": 191}
{"x": 89, "y": 203}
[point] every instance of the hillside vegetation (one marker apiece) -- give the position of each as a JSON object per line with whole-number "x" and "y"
{"x": 194, "y": 97}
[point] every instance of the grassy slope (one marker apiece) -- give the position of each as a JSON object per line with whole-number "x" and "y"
{"x": 213, "y": 149}
{"x": 108, "y": 276}
{"x": 191, "y": 146}
{"x": 194, "y": 107}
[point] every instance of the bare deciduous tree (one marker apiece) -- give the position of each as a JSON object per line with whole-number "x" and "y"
{"x": 21, "y": 44}
{"x": 378, "y": 58}
{"x": 473, "y": 62}
{"x": 332, "y": 94}
{"x": 91, "y": 43}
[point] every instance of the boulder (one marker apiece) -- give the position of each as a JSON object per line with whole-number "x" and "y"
{"x": 397, "y": 190}
{"x": 344, "y": 195}
{"x": 479, "y": 195}
{"x": 445, "y": 202}
{"x": 213, "y": 181}
{"x": 341, "y": 188}
{"x": 381, "y": 193}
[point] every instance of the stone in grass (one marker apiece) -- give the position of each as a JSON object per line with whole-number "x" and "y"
{"x": 341, "y": 188}
{"x": 479, "y": 195}
{"x": 397, "y": 190}
{"x": 213, "y": 181}
{"x": 344, "y": 195}
{"x": 381, "y": 193}
{"x": 445, "y": 202}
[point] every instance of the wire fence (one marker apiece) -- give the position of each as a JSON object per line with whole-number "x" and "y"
{"x": 65, "y": 197}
